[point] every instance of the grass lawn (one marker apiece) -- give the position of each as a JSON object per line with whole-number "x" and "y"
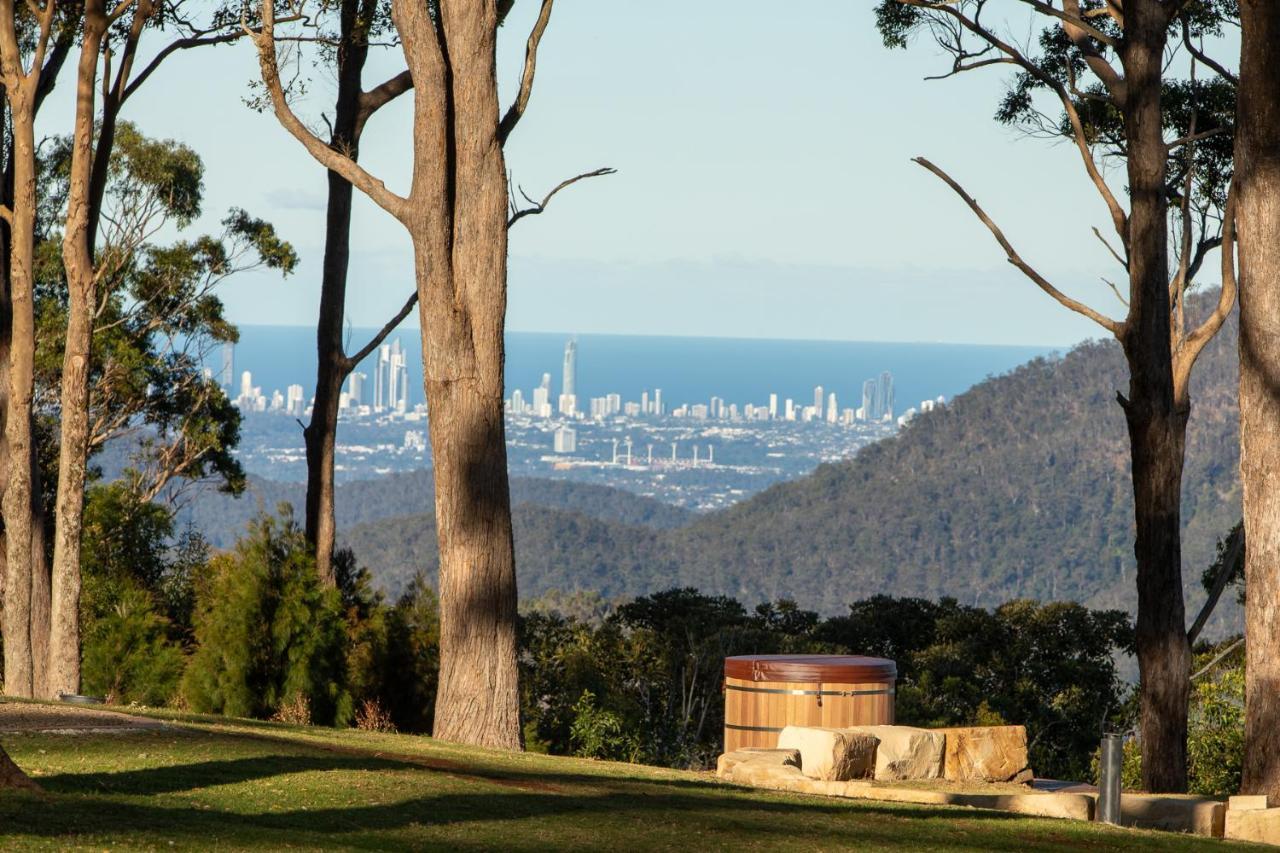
{"x": 206, "y": 785}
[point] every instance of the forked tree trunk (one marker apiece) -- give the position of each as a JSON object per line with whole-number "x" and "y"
{"x": 332, "y": 367}
{"x": 1257, "y": 174}
{"x": 73, "y": 449}
{"x": 1156, "y": 418}
{"x": 460, "y": 249}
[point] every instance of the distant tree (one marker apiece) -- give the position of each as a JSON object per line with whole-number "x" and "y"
{"x": 457, "y": 213}
{"x": 1102, "y": 70}
{"x": 1258, "y": 218}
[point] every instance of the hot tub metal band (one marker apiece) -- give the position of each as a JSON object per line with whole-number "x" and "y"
{"x": 819, "y": 693}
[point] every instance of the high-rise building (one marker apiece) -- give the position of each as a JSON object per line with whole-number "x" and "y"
{"x": 833, "y": 413}
{"x": 657, "y": 402}
{"x": 817, "y": 402}
{"x": 380, "y": 371}
{"x": 570, "y": 378}
{"x": 773, "y": 407}
{"x": 246, "y": 384}
{"x": 226, "y": 377}
{"x": 295, "y": 403}
{"x": 868, "y": 400}
{"x": 517, "y": 402}
{"x": 566, "y": 440}
{"x": 884, "y": 394}
{"x": 355, "y": 388}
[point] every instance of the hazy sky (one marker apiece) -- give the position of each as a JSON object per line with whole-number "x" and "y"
{"x": 764, "y": 184}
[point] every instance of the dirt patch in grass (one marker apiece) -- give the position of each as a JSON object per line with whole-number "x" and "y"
{"x": 67, "y": 719}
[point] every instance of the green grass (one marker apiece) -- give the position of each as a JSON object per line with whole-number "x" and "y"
{"x": 207, "y": 785}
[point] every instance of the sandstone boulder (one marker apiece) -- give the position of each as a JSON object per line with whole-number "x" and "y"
{"x": 1260, "y": 825}
{"x": 835, "y": 755}
{"x": 985, "y": 754}
{"x": 756, "y": 755}
{"x": 905, "y": 753}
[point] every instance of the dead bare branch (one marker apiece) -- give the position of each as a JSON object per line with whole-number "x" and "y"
{"x": 539, "y": 206}
{"x": 1112, "y": 326}
{"x": 516, "y": 110}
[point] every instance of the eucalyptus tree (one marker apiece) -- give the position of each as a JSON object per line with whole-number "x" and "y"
{"x": 359, "y": 21}
{"x": 457, "y": 212}
{"x": 155, "y": 313}
{"x": 1258, "y": 224}
{"x": 1100, "y": 77}
{"x": 34, "y": 42}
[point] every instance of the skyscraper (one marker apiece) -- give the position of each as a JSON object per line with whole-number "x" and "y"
{"x": 355, "y": 388}
{"x": 817, "y": 402}
{"x": 570, "y": 368}
{"x": 380, "y": 371}
{"x": 227, "y": 375}
{"x": 885, "y": 395}
{"x": 869, "y": 400}
{"x": 832, "y": 410}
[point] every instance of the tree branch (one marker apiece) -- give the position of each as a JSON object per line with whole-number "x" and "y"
{"x": 349, "y": 363}
{"x": 1118, "y": 217}
{"x": 198, "y": 40}
{"x": 1234, "y": 553}
{"x": 539, "y": 206}
{"x": 328, "y": 157}
{"x": 1185, "y": 356}
{"x": 1014, "y": 258}
{"x": 381, "y": 95}
{"x": 516, "y": 111}
{"x": 1218, "y": 68}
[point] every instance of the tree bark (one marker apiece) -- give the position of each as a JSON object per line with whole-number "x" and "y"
{"x": 1156, "y": 416}
{"x": 1257, "y": 175}
{"x": 19, "y": 494}
{"x": 332, "y": 367}
{"x": 73, "y": 450}
{"x": 460, "y": 249}
{"x": 11, "y": 776}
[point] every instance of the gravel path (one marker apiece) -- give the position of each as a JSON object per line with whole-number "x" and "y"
{"x": 67, "y": 719}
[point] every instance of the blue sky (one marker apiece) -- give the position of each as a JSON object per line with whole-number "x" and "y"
{"x": 764, "y": 184}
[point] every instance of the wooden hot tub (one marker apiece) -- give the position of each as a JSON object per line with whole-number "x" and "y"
{"x": 764, "y": 693}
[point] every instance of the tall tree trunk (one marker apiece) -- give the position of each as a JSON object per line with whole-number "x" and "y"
{"x": 1257, "y": 174}
{"x": 73, "y": 449}
{"x": 1156, "y": 419}
{"x": 332, "y": 366}
{"x": 462, "y": 318}
{"x": 19, "y": 493}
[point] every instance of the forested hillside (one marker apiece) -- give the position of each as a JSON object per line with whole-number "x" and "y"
{"x": 1018, "y": 488}
{"x": 222, "y": 518}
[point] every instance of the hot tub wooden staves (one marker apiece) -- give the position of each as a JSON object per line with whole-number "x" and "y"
{"x": 764, "y": 693}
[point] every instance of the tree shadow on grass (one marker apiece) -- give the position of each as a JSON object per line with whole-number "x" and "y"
{"x": 205, "y": 774}
{"x": 516, "y": 819}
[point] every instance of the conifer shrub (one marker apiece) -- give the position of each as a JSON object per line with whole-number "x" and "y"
{"x": 268, "y": 634}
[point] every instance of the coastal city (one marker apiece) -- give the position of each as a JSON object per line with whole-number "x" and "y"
{"x": 700, "y": 455}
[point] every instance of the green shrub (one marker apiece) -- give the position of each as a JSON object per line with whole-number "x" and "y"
{"x": 127, "y": 654}
{"x": 268, "y": 634}
{"x": 1215, "y": 737}
{"x": 599, "y": 733}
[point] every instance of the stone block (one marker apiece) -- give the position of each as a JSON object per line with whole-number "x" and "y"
{"x": 906, "y": 753}
{"x": 1250, "y": 802}
{"x": 833, "y": 755}
{"x": 758, "y": 755}
{"x": 1260, "y": 825}
{"x": 985, "y": 754}
{"x": 1194, "y": 815}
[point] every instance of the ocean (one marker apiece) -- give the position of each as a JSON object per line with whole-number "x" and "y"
{"x": 688, "y": 370}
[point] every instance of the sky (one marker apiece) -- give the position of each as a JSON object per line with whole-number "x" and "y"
{"x": 764, "y": 184}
